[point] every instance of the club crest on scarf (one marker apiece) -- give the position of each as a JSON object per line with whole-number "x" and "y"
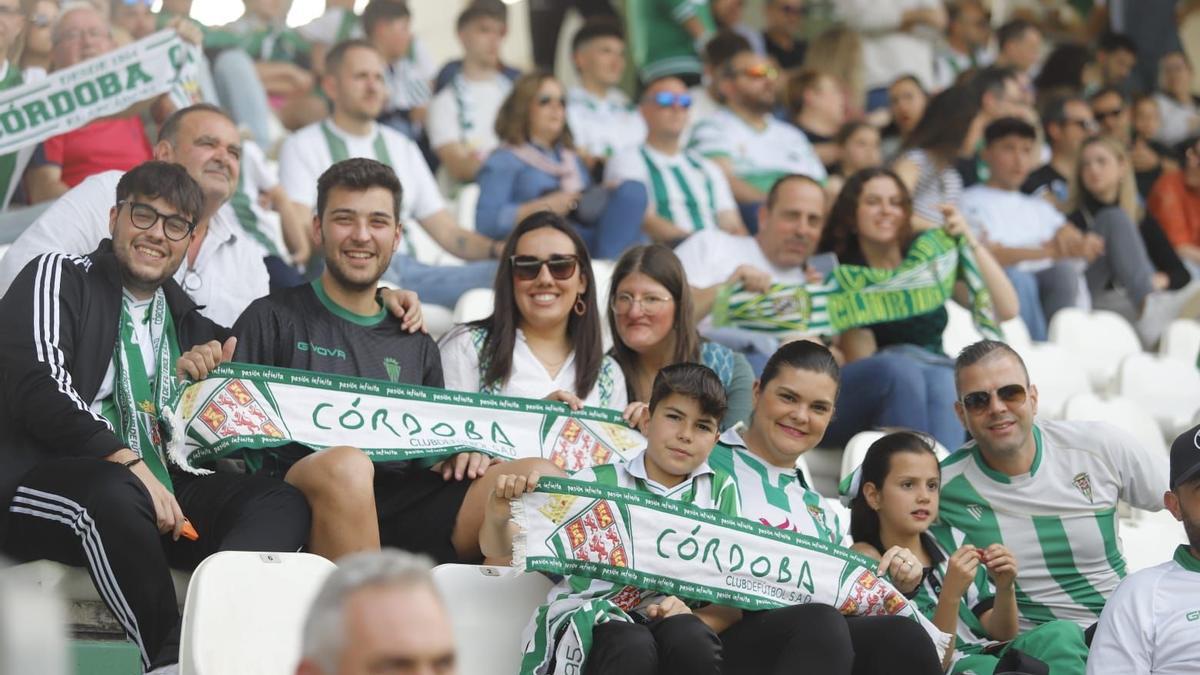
{"x": 234, "y": 411}
{"x": 579, "y": 446}
{"x": 594, "y": 537}
{"x": 868, "y": 597}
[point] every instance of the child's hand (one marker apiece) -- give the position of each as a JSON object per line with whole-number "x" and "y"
{"x": 903, "y": 567}
{"x": 509, "y": 487}
{"x": 669, "y": 607}
{"x": 1001, "y": 565}
{"x": 960, "y": 570}
{"x": 636, "y": 415}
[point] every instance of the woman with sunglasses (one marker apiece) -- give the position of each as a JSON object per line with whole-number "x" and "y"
{"x": 871, "y": 224}
{"x": 536, "y": 169}
{"x": 793, "y": 405}
{"x": 651, "y": 320}
{"x": 543, "y": 340}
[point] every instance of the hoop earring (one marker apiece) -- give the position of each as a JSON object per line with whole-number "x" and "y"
{"x": 579, "y": 308}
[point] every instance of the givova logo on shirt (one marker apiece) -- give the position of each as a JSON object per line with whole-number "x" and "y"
{"x": 321, "y": 351}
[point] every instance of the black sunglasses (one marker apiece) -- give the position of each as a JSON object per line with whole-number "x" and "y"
{"x": 527, "y": 267}
{"x": 979, "y": 401}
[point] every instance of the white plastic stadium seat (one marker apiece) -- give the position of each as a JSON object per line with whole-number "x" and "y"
{"x": 1123, "y": 413}
{"x": 1181, "y": 340}
{"x": 602, "y": 270}
{"x": 960, "y": 329}
{"x": 1016, "y": 334}
{"x": 856, "y": 450}
{"x": 1168, "y": 388}
{"x": 1100, "y": 339}
{"x": 464, "y": 206}
{"x": 475, "y": 304}
{"x": 1057, "y": 374}
{"x": 438, "y": 320}
{"x": 489, "y": 607}
{"x": 1150, "y": 539}
{"x": 245, "y": 610}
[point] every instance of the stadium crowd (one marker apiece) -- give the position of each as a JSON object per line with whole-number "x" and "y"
{"x": 1057, "y": 149}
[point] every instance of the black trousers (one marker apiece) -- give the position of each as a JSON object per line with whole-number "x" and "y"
{"x": 678, "y": 645}
{"x": 546, "y": 19}
{"x": 818, "y": 639}
{"x": 97, "y": 514}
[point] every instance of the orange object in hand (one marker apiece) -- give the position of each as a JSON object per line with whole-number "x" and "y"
{"x": 189, "y": 532}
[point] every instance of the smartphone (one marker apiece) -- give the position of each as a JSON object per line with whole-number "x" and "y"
{"x": 823, "y": 263}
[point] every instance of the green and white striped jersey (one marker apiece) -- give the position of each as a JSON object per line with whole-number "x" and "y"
{"x": 1152, "y": 621}
{"x": 560, "y": 631}
{"x": 773, "y": 496}
{"x": 684, "y": 188}
{"x": 940, "y": 542}
{"x": 658, "y": 42}
{"x": 759, "y": 157}
{"x": 1060, "y": 519}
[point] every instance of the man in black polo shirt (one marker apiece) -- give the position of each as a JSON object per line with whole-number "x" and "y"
{"x": 336, "y": 325}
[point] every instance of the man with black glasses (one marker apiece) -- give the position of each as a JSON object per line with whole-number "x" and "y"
{"x": 1046, "y": 490}
{"x": 90, "y": 352}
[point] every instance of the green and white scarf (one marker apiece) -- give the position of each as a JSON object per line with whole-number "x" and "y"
{"x": 241, "y": 406}
{"x": 640, "y": 541}
{"x": 135, "y": 406}
{"x": 99, "y": 87}
{"x": 853, "y": 296}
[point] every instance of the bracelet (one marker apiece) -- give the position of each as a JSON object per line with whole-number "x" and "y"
{"x": 131, "y": 462}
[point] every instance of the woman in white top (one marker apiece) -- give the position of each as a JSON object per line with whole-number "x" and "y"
{"x": 543, "y": 339}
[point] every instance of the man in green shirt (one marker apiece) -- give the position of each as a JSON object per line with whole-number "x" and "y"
{"x": 666, "y": 37}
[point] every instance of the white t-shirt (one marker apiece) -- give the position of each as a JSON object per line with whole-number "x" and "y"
{"x": 335, "y": 25}
{"x": 887, "y": 51}
{"x": 684, "y": 188}
{"x": 143, "y": 337}
{"x": 464, "y": 111}
{"x": 262, "y": 224}
{"x": 1060, "y": 519}
{"x": 409, "y": 79}
{"x": 528, "y": 378}
{"x": 1151, "y": 621}
{"x": 228, "y": 274}
{"x": 305, "y": 155}
{"x": 1011, "y": 219}
{"x": 711, "y": 255}
{"x": 759, "y": 157}
{"x": 603, "y": 127}
{"x": 1176, "y": 119}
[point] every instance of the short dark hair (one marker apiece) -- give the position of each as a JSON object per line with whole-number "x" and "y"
{"x": 337, "y": 53}
{"x": 991, "y": 79}
{"x": 166, "y": 181}
{"x": 1008, "y": 126}
{"x": 359, "y": 173}
{"x": 802, "y": 355}
{"x": 378, "y": 11}
{"x": 954, "y": 9}
{"x": 723, "y": 46}
{"x": 773, "y": 193}
{"x": 1013, "y": 30}
{"x": 694, "y": 381}
{"x": 876, "y": 465}
{"x": 1107, "y": 91}
{"x": 1054, "y": 111}
{"x": 170, "y": 128}
{"x": 596, "y": 28}
{"x": 482, "y": 9}
{"x": 978, "y": 351}
{"x": 1111, "y": 42}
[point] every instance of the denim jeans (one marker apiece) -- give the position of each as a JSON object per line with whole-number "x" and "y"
{"x": 620, "y": 224}
{"x": 440, "y": 284}
{"x": 242, "y": 93}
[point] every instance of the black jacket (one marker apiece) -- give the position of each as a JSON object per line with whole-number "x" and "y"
{"x": 58, "y": 330}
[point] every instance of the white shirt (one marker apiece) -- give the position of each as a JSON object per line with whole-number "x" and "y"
{"x": 262, "y": 224}
{"x": 143, "y": 337}
{"x": 464, "y": 111}
{"x": 409, "y": 78}
{"x": 1151, "y": 621}
{"x": 335, "y": 25}
{"x": 710, "y": 256}
{"x": 1176, "y": 119}
{"x": 887, "y": 51}
{"x": 759, "y": 157}
{"x": 1011, "y": 218}
{"x": 603, "y": 126}
{"x": 683, "y": 185}
{"x": 528, "y": 378}
{"x": 305, "y": 155}
{"x": 228, "y": 274}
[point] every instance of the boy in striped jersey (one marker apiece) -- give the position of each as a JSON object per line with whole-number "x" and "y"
{"x": 599, "y": 627}
{"x": 688, "y": 192}
{"x": 1047, "y": 491}
{"x": 1149, "y": 624}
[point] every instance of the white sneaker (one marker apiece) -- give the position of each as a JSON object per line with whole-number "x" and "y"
{"x": 1163, "y": 307}
{"x": 172, "y": 669}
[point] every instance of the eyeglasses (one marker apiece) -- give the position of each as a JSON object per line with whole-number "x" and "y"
{"x": 667, "y": 99}
{"x": 1102, "y": 115}
{"x": 544, "y": 101}
{"x": 144, "y": 217}
{"x": 651, "y": 304}
{"x": 77, "y": 35}
{"x": 979, "y": 401}
{"x": 528, "y": 268}
{"x": 759, "y": 72}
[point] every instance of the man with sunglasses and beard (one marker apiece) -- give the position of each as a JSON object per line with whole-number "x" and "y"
{"x": 1149, "y": 624}
{"x": 1047, "y": 490}
{"x": 688, "y": 192}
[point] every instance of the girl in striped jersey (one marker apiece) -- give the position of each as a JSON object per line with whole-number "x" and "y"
{"x": 966, "y": 591}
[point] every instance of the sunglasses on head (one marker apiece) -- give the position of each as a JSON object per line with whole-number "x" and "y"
{"x": 528, "y": 267}
{"x": 760, "y": 71}
{"x": 980, "y": 401}
{"x": 547, "y": 100}
{"x": 667, "y": 99}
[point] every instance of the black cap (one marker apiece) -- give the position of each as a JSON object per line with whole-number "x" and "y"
{"x": 1185, "y": 456}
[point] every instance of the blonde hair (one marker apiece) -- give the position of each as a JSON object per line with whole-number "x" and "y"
{"x": 838, "y": 53}
{"x": 1127, "y": 194}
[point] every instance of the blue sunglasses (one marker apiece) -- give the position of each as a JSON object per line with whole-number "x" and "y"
{"x": 666, "y": 99}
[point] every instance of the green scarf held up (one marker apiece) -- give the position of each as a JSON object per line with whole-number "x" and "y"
{"x": 853, "y": 296}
